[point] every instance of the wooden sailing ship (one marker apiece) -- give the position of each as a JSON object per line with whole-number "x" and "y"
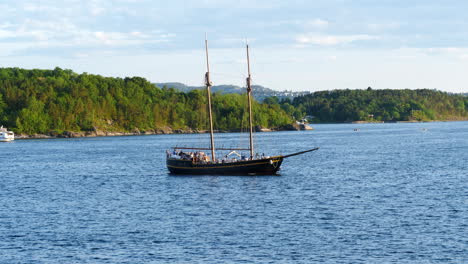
{"x": 192, "y": 161}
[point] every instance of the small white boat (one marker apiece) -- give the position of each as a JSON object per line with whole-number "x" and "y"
{"x": 6, "y": 135}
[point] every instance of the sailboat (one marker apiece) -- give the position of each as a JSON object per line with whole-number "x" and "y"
{"x": 193, "y": 161}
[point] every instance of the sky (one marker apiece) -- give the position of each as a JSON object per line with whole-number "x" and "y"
{"x": 299, "y": 45}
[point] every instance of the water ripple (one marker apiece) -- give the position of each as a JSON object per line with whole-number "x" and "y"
{"x": 388, "y": 193}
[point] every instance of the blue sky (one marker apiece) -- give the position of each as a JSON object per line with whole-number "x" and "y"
{"x": 295, "y": 45}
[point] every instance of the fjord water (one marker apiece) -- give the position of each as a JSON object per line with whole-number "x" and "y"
{"x": 390, "y": 193}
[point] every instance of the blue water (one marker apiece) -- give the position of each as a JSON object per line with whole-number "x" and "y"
{"x": 388, "y": 193}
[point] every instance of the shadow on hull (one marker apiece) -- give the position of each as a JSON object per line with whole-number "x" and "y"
{"x": 267, "y": 166}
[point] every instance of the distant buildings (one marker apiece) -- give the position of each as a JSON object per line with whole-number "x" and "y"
{"x": 259, "y": 92}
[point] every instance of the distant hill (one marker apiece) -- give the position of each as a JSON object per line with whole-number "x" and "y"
{"x": 259, "y": 92}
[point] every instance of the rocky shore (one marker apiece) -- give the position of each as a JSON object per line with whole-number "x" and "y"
{"x": 165, "y": 130}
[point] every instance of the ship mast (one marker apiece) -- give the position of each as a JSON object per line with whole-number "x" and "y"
{"x": 208, "y": 91}
{"x": 249, "y": 98}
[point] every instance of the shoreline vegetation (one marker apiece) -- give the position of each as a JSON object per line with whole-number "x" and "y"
{"x": 61, "y": 103}
{"x": 292, "y": 127}
{"x": 164, "y": 131}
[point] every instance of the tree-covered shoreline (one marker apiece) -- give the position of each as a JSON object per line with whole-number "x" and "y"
{"x": 57, "y": 101}
{"x": 53, "y": 101}
{"x": 387, "y": 105}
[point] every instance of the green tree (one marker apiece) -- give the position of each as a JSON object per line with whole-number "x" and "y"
{"x": 33, "y": 119}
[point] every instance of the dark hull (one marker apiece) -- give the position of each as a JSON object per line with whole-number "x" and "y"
{"x": 267, "y": 166}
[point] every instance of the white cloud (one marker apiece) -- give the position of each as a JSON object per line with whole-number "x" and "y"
{"x": 7, "y": 8}
{"x": 30, "y": 7}
{"x": 81, "y": 55}
{"x": 451, "y": 51}
{"x": 131, "y": 1}
{"x": 6, "y": 34}
{"x": 139, "y": 34}
{"x": 6, "y": 25}
{"x": 317, "y": 23}
{"x": 236, "y": 41}
{"x": 329, "y": 40}
{"x": 384, "y": 26}
{"x": 414, "y": 54}
{"x": 71, "y": 7}
{"x": 96, "y": 10}
{"x": 65, "y": 36}
{"x": 237, "y": 4}
{"x": 124, "y": 38}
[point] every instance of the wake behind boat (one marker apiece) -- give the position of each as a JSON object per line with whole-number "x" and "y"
{"x": 6, "y": 135}
{"x": 193, "y": 161}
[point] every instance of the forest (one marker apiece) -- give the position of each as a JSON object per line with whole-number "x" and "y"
{"x": 42, "y": 101}
{"x": 389, "y": 105}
